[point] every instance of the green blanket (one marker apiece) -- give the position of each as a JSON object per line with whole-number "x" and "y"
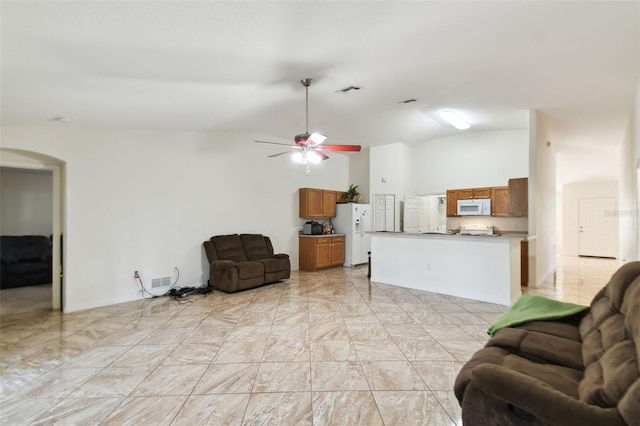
{"x": 531, "y": 308}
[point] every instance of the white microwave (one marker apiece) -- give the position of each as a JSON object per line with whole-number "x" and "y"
{"x": 477, "y": 207}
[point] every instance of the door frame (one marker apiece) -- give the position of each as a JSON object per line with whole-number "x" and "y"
{"x": 57, "y": 214}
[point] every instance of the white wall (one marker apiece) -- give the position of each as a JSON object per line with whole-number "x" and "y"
{"x": 26, "y": 202}
{"x": 629, "y": 188}
{"x": 542, "y": 202}
{"x": 359, "y": 173}
{"x": 391, "y": 163}
{"x": 146, "y": 200}
{"x": 470, "y": 160}
{"x": 571, "y": 195}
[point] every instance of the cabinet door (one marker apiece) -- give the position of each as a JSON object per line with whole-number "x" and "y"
{"x": 500, "y": 201}
{"x": 519, "y": 197}
{"x": 337, "y": 251}
{"x": 329, "y": 199}
{"x": 452, "y": 203}
{"x": 310, "y": 203}
{"x": 464, "y": 194}
{"x": 524, "y": 263}
{"x": 323, "y": 252}
{"x": 315, "y": 202}
{"x": 482, "y": 193}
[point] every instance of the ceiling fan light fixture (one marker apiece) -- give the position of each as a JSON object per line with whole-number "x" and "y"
{"x": 313, "y": 157}
{"x": 455, "y": 120}
{"x": 299, "y": 158}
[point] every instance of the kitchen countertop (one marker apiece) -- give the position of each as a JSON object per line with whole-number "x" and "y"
{"x": 499, "y": 237}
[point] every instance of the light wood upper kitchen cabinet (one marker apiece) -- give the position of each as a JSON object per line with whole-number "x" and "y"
{"x": 519, "y": 197}
{"x": 464, "y": 194}
{"x": 471, "y": 193}
{"x": 452, "y": 203}
{"x": 317, "y": 203}
{"x": 500, "y": 201}
{"x": 320, "y": 252}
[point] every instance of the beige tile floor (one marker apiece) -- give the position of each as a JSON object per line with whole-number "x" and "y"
{"x": 324, "y": 348}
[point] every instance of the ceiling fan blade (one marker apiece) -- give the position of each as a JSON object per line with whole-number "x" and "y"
{"x": 316, "y": 139}
{"x": 276, "y": 143}
{"x": 321, "y": 154}
{"x": 280, "y": 153}
{"x": 345, "y": 148}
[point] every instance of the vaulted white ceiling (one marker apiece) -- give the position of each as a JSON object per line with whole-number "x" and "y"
{"x": 236, "y": 65}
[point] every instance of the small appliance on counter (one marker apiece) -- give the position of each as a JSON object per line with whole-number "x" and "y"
{"x": 477, "y": 230}
{"x": 312, "y": 228}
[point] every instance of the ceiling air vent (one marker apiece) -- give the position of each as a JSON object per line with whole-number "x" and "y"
{"x": 408, "y": 101}
{"x": 348, "y": 89}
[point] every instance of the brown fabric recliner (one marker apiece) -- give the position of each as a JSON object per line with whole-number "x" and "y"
{"x": 583, "y": 370}
{"x": 240, "y": 262}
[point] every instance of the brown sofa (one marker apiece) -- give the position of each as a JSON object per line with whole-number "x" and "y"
{"x": 239, "y": 262}
{"x": 582, "y": 370}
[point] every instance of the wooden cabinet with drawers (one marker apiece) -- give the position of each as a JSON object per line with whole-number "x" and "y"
{"x": 317, "y": 252}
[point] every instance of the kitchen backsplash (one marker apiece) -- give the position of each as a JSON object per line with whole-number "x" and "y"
{"x": 500, "y": 224}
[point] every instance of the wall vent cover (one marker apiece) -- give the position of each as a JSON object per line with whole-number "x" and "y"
{"x": 161, "y": 282}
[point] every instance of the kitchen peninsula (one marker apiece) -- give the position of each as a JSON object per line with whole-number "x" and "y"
{"x": 474, "y": 267}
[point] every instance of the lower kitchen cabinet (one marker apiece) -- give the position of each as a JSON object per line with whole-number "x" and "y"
{"x": 524, "y": 263}
{"x": 317, "y": 252}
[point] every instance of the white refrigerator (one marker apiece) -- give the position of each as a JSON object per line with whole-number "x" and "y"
{"x": 354, "y": 221}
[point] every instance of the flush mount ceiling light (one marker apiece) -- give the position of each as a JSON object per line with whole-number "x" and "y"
{"x": 455, "y": 120}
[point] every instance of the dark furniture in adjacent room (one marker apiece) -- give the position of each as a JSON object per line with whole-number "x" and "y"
{"x": 581, "y": 370}
{"x": 24, "y": 260}
{"x": 239, "y": 262}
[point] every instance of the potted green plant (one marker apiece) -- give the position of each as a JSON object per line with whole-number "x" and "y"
{"x": 352, "y": 193}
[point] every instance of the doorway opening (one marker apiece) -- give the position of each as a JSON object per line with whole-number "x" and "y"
{"x": 32, "y": 205}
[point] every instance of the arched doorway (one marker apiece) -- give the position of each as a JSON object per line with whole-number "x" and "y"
{"x": 33, "y": 161}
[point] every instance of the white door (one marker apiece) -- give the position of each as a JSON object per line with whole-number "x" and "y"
{"x": 423, "y": 214}
{"x": 597, "y": 227}
{"x": 381, "y": 210}
{"x": 390, "y": 208}
{"x": 411, "y": 214}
